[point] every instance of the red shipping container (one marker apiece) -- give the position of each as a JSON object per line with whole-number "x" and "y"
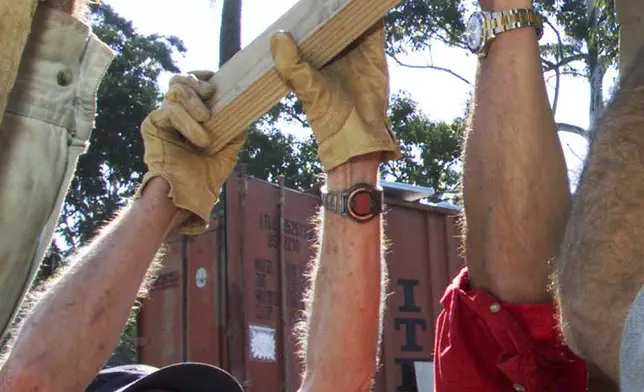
{"x": 219, "y": 297}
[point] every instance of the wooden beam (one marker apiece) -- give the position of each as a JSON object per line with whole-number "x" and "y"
{"x": 248, "y": 85}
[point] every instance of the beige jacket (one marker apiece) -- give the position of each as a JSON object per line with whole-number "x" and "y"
{"x": 46, "y": 127}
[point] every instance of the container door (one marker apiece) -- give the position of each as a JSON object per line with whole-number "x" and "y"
{"x": 205, "y": 333}
{"x": 160, "y": 325}
{"x": 260, "y": 247}
{"x": 419, "y": 271}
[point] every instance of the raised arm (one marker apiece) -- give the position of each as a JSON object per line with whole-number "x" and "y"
{"x": 600, "y": 268}
{"x": 346, "y": 105}
{"x": 344, "y": 310}
{"x": 69, "y": 335}
{"x": 515, "y": 185}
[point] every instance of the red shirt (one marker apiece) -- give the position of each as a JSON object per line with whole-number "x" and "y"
{"x": 487, "y": 346}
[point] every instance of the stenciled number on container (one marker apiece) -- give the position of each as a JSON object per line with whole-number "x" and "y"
{"x": 295, "y": 234}
{"x": 265, "y": 300}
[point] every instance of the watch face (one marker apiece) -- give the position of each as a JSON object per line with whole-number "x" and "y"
{"x": 474, "y": 32}
{"x": 361, "y": 204}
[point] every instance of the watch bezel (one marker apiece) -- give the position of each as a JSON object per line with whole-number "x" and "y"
{"x": 341, "y": 202}
{"x": 374, "y": 195}
{"x": 482, "y": 31}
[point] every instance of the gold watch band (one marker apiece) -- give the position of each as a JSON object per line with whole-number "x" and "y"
{"x": 502, "y": 21}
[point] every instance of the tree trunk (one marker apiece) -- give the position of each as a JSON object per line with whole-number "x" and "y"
{"x": 631, "y": 19}
{"x": 230, "y": 33}
{"x": 229, "y": 44}
{"x": 596, "y": 70}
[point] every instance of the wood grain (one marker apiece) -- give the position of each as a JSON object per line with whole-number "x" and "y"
{"x": 248, "y": 85}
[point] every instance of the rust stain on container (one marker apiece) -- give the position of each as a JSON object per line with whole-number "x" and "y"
{"x": 230, "y": 311}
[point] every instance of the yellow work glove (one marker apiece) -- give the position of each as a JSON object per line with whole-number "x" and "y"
{"x": 195, "y": 160}
{"x": 346, "y": 102}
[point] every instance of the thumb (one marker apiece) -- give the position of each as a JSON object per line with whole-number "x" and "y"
{"x": 306, "y": 82}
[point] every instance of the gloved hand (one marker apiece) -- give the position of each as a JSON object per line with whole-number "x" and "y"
{"x": 195, "y": 161}
{"x": 346, "y": 102}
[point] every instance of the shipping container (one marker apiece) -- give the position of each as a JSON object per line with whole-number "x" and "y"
{"x": 231, "y": 296}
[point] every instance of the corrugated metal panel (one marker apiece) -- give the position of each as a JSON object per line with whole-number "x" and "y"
{"x": 205, "y": 327}
{"x": 234, "y": 315}
{"x": 408, "y": 333}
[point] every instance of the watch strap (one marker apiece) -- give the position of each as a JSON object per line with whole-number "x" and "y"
{"x": 335, "y": 202}
{"x": 507, "y": 20}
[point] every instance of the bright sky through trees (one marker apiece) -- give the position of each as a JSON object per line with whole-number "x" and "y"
{"x": 441, "y": 96}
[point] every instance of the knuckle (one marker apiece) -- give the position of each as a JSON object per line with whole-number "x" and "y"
{"x": 177, "y": 93}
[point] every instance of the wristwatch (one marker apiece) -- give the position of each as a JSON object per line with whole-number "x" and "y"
{"x": 484, "y": 26}
{"x": 361, "y": 202}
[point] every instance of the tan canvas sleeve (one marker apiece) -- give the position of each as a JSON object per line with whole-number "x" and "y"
{"x": 15, "y": 24}
{"x": 47, "y": 124}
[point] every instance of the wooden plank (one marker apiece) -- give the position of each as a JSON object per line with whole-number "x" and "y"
{"x": 248, "y": 85}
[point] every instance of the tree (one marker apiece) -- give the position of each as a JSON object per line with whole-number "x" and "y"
{"x": 230, "y": 32}
{"x": 584, "y": 36}
{"x": 270, "y": 153}
{"x": 430, "y": 150}
{"x": 591, "y": 34}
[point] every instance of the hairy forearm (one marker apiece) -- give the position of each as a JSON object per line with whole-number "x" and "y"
{"x": 71, "y": 332}
{"x": 515, "y": 184}
{"x": 600, "y": 268}
{"x": 343, "y": 326}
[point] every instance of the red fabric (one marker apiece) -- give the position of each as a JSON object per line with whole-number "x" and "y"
{"x": 487, "y": 346}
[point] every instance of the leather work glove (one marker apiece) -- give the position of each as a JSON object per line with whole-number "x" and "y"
{"x": 195, "y": 160}
{"x": 346, "y": 102}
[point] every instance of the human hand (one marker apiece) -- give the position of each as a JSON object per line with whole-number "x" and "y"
{"x": 346, "y": 102}
{"x": 194, "y": 160}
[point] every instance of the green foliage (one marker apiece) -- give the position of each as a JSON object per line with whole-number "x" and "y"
{"x": 270, "y": 153}
{"x": 414, "y": 24}
{"x": 110, "y": 171}
{"x": 430, "y": 150}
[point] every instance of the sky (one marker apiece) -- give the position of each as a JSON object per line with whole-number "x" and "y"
{"x": 440, "y": 95}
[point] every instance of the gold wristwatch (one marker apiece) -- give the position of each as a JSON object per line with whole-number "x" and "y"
{"x": 483, "y": 27}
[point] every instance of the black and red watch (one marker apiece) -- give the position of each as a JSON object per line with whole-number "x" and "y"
{"x": 361, "y": 202}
